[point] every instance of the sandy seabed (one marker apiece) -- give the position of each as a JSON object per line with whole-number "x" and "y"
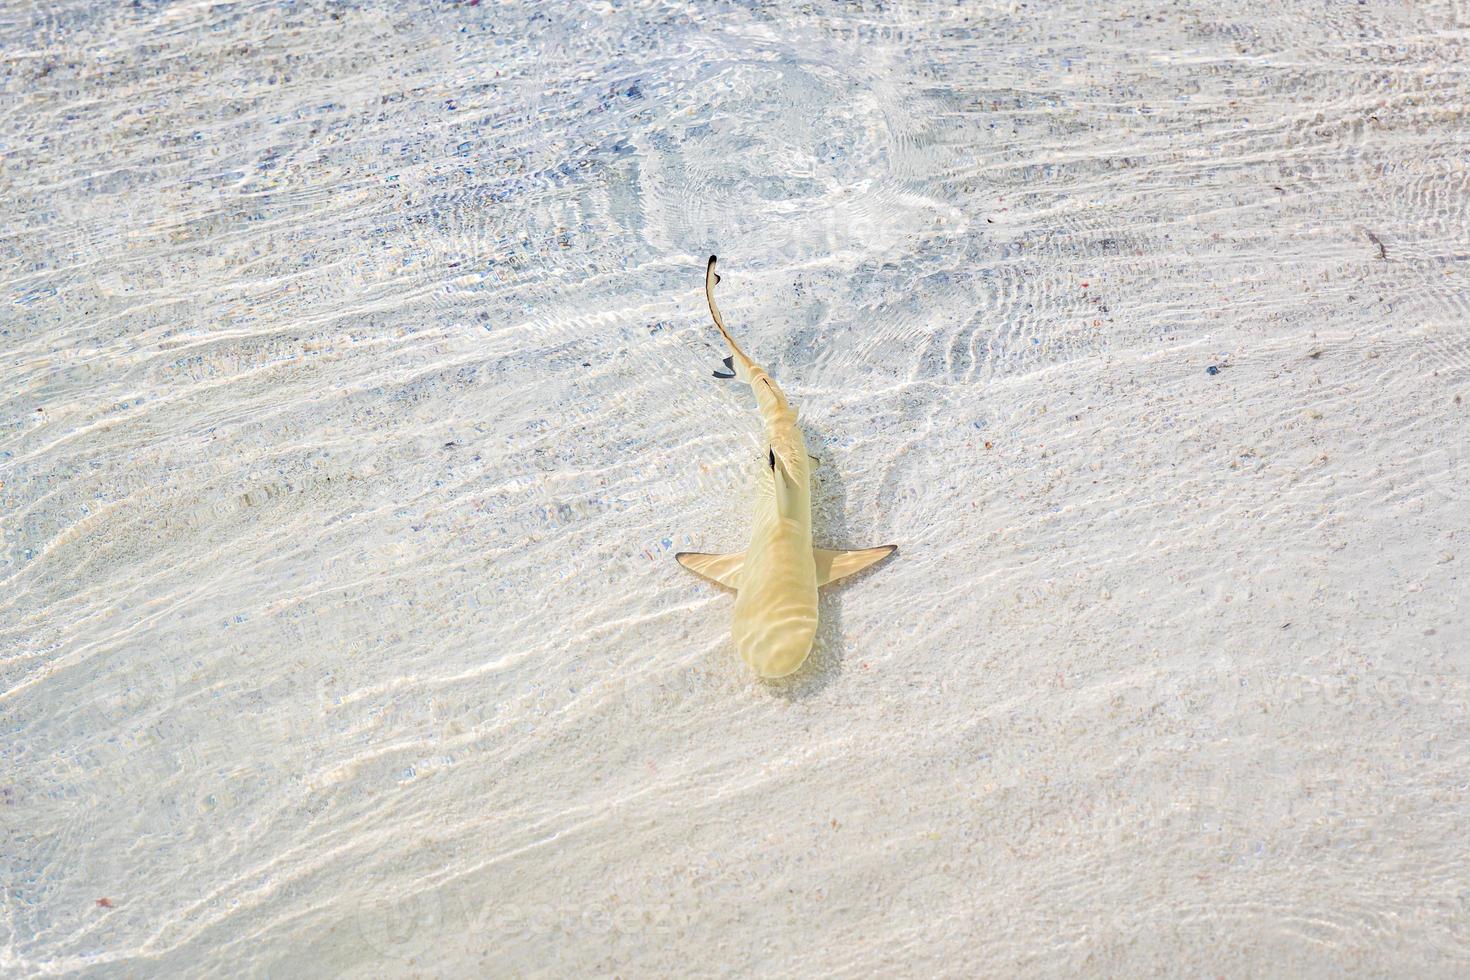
{"x": 355, "y": 395}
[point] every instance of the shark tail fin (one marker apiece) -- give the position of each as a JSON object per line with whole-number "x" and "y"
{"x": 833, "y": 565}
{"x": 710, "y": 279}
{"x": 719, "y": 569}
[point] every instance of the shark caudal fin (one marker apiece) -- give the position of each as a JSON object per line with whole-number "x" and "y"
{"x": 768, "y": 395}
{"x": 833, "y": 565}
{"x": 719, "y": 569}
{"x": 737, "y": 362}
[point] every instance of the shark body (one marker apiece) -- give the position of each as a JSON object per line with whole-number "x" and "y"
{"x": 777, "y": 576}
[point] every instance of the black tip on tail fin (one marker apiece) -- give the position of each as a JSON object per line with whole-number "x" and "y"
{"x": 710, "y": 267}
{"x": 729, "y": 366}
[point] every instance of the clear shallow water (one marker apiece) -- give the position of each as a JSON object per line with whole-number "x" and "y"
{"x": 356, "y": 394}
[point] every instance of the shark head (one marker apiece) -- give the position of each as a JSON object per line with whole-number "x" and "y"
{"x": 777, "y": 652}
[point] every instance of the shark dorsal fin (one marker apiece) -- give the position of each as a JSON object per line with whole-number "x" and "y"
{"x": 719, "y": 569}
{"x": 833, "y": 565}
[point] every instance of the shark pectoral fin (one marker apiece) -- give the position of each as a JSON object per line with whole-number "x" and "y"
{"x": 719, "y": 569}
{"x": 833, "y": 565}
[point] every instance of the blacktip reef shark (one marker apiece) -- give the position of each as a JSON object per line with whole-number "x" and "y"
{"x": 777, "y": 576}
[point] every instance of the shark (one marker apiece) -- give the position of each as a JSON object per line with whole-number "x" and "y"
{"x": 777, "y": 576}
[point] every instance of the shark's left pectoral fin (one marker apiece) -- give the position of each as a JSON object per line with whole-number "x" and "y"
{"x": 719, "y": 569}
{"x": 833, "y": 565}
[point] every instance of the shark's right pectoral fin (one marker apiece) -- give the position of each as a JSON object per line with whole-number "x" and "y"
{"x": 833, "y": 565}
{"x": 719, "y": 569}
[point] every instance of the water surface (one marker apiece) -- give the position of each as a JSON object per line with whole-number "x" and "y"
{"x": 355, "y": 391}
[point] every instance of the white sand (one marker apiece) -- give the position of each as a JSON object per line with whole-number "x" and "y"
{"x": 356, "y": 394}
